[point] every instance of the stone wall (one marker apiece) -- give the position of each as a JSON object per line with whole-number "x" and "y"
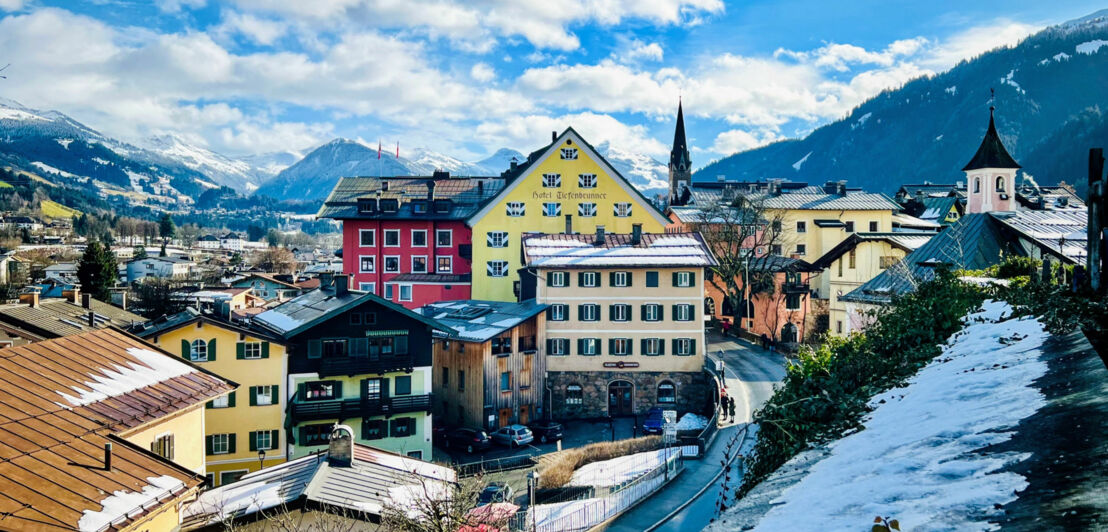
{"x": 692, "y": 391}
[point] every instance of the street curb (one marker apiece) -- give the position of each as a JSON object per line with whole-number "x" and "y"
{"x": 686, "y": 504}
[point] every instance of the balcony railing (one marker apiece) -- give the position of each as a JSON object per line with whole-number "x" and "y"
{"x": 349, "y": 408}
{"x": 792, "y": 288}
{"x": 351, "y": 366}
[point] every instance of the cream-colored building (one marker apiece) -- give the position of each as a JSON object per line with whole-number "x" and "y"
{"x": 625, "y": 326}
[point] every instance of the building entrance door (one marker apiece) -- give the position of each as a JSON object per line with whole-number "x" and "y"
{"x": 619, "y": 398}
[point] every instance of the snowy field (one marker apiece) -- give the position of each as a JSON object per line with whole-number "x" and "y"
{"x": 619, "y": 470}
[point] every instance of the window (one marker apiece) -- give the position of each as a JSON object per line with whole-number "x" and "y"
{"x": 163, "y": 446}
{"x": 461, "y": 380}
{"x": 683, "y": 313}
{"x": 505, "y": 381}
{"x": 365, "y": 265}
{"x": 419, "y": 207}
{"x": 388, "y": 291}
{"x": 619, "y": 312}
{"x": 367, "y": 237}
{"x": 586, "y": 181}
{"x": 262, "y": 439}
{"x": 652, "y": 279}
{"x": 445, "y": 370}
{"x": 887, "y": 262}
{"x": 392, "y": 264}
{"x": 405, "y": 292}
{"x": 374, "y": 429}
{"x": 315, "y": 434}
{"x": 392, "y": 238}
{"x": 558, "y": 312}
{"x": 319, "y": 390}
{"x": 573, "y": 394}
{"x": 621, "y": 279}
{"x": 839, "y": 326}
{"x": 220, "y": 443}
{"x": 801, "y": 249}
{"x": 334, "y": 348}
{"x": 444, "y": 238}
{"x": 569, "y": 154}
{"x": 849, "y": 227}
{"x": 623, "y": 210}
{"x": 588, "y": 346}
{"x": 419, "y": 264}
{"x": 801, "y": 227}
{"x": 667, "y": 393}
{"x": 853, "y": 258}
{"x": 516, "y": 208}
{"x": 551, "y": 180}
{"x": 368, "y": 287}
{"x": 873, "y": 227}
{"x": 497, "y": 239}
{"x": 223, "y": 401}
{"x": 651, "y": 312}
{"x": 367, "y": 205}
{"x": 588, "y": 312}
{"x": 355, "y": 318}
{"x": 683, "y": 279}
{"x": 683, "y": 346}
{"x": 263, "y": 395}
{"x": 620, "y": 346}
{"x": 403, "y": 385}
{"x": 229, "y": 477}
{"x": 775, "y": 249}
{"x": 419, "y": 238}
{"x": 792, "y": 301}
{"x": 252, "y": 350}
{"x": 198, "y": 352}
{"x": 390, "y": 205}
{"x": 1000, "y": 183}
{"x": 653, "y": 346}
{"x": 586, "y": 210}
{"x": 557, "y": 346}
{"x": 977, "y": 184}
{"x": 557, "y": 279}
{"x": 588, "y": 279}
{"x": 551, "y": 209}
{"x": 497, "y": 268}
{"x": 840, "y": 263}
{"x": 445, "y": 265}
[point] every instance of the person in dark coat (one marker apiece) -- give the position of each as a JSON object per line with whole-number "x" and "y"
{"x": 731, "y": 408}
{"x": 765, "y": 341}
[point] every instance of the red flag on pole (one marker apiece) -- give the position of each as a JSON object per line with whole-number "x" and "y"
{"x": 398, "y": 149}
{"x": 378, "y": 149}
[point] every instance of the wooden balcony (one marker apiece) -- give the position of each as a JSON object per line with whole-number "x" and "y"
{"x": 350, "y": 408}
{"x": 350, "y": 366}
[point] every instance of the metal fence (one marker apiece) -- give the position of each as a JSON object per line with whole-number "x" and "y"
{"x": 495, "y": 465}
{"x": 584, "y": 514}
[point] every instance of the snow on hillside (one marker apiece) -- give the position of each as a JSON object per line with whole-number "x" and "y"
{"x": 220, "y": 169}
{"x": 920, "y": 458}
{"x": 644, "y": 172}
{"x": 500, "y": 161}
{"x": 1090, "y": 47}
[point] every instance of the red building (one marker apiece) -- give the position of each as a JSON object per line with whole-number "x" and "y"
{"x": 405, "y": 238}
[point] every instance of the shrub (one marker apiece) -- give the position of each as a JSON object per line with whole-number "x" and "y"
{"x": 557, "y": 470}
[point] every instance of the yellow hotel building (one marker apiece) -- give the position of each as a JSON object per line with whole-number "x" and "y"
{"x": 566, "y": 187}
{"x": 249, "y": 421}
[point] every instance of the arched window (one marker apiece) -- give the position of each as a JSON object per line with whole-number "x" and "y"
{"x": 1000, "y": 183}
{"x": 573, "y": 394}
{"x": 667, "y": 392}
{"x": 977, "y": 184}
{"x": 709, "y": 306}
{"x": 199, "y": 351}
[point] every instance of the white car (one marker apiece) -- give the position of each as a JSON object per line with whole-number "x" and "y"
{"x": 513, "y": 436}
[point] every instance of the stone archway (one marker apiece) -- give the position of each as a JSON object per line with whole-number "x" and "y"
{"x": 621, "y": 398}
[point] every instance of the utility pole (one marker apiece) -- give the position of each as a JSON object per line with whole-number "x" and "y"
{"x": 1097, "y": 235}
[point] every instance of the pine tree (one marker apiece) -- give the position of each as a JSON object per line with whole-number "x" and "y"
{"x": 98, "y": 270}
{"x": 140, "y": 252}
{"x": 166, "y": 227}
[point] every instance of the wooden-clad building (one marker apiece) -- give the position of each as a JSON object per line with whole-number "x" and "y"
{"x": 490, "y": 372}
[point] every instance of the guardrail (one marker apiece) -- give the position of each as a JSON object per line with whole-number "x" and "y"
{"x": 351, "y": 365}
{"x": 506, "y": 463}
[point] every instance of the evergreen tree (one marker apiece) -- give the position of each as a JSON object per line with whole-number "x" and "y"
{"x": 162, "y": 253}
{"x": 166, "y": 227}
{"x": 98, "y": 270}
{"x": 140, "y": 252}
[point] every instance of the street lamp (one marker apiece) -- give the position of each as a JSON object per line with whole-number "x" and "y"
{"x": 261, "y": 459}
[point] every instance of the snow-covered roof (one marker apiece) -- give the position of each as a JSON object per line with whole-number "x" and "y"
{"x": 616, "y": 250}
{"x": 298, "y": 314}
{"x": 478, "y": 321}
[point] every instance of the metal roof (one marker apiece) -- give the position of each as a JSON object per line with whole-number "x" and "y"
{"x": 581, "y": 251}
{"x": 477, "y": 321}
{"x": 904, "y": 240}
{"x": 60, "y": 317}
{"x": 466, "y": 195}
{"x": 937, "y": 208}
{"x": 807, "y": 198}
{"x": 441, "y": 278}
{"x": 302, "y": 312}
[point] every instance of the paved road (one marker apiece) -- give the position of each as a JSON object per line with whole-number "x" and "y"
{"x": 750, "y": 373}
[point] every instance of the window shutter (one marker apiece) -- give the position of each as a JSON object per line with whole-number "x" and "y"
{"x": 303, "y": 435}
{"x": 692, "y": 278}
{"x": 273, "y": 436}
{"x": 186, "y": 350}
{"x": 338, "y": 389}
{"x": 209, "y": 404}
{"x": 211, "y": 350}
{"x": 253, "y": 441}
{"x": 580, "y": 279}
{"x": 630, "y": 279}
{"x": 599, "y": 347}
{"x": 661, "y": 312}
{"x": 253, "y": 396}
{"x": 549, "y": 346}
{"x": 580, "y": 346}
{"x": 662, "y": 347}
{"x": 643, "y": 344}
{"x": 315, "y": 348}
{"x": 611, "y": 278}
{"x": 692, "y": 347}
{"x": 549, "y": 314}
{"x": 208, "y": 445}
{"x": 240, "y": 350}
{"x": 675, "y": 312}
{"x": 265, "y": 349}
{"x": 642, "y": 312}
{"x": 675, "y": 350}
{"x": 231, "y": 443}
{"x": 631, "y": 347}
{"x": 612, "y": 346}
{"x": 580, "y": 312}
{"x": 302, "y": 391}
{"x": 231, "y": 400}
{"x": 275, "y": 394}
{"x": 550, "y": 279}
{"x": 611, "y": 312}
{"x": 674, "y": 278}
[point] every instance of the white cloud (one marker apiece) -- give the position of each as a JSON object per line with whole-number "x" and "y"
{"x": 482, "y": 72}
{"x": 634, "y": 50}
{"x": 11, "y": 5}
{"x": 975, "y": 41}
{"x": 259, "y": 30}
{"x": 175, "y": 6}
{"x": 534, "y": 130}
{"x": 737, "y": 140}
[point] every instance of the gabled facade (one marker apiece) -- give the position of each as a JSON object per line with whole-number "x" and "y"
{"x": 159, "y": 267}
{"x": 267, "y": 287}
{"x": 566, "y": 187}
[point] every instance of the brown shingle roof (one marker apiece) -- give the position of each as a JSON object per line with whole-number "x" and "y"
{"x": 60, "y": 317}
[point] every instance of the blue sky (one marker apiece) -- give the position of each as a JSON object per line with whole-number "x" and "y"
{"x": 466, "y": 78}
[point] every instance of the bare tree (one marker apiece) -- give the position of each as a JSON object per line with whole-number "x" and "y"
{"x": 431, "y": 505}
{"x": 189, "y": 234}
{"x": 275, "y": 260}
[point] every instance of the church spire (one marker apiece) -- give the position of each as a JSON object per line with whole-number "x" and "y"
{"x": 680, "y": 164}
{"x": 991, "y": 153}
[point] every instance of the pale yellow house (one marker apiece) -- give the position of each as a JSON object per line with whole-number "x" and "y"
{"x": 858, "y": 259}
{"x": 565, "y": 187}
{"x": 243, "y": 430}
{"x": 625, "y": 323}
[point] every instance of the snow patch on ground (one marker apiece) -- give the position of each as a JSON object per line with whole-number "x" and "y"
{"x": 940, "y": 137}
{"x": 122, "y": 503}
{"x": 50, "y": 169}
{"x": 7, "y": 113}
{"x": 953, "y": 89}
{"x": 692, "y": 421}
{"x": 918, "y": 458}
{"x": 1090, "y": 47}
{"x": 619, "y": 470}
{"x": 64, "y": 142}
{"x": 861, "y": 121}
{"x": 1058, "y": 58}
{"x": 148, "y": 368}
{"x": 798, "y": 164}
{"x": 1010, "y": 81}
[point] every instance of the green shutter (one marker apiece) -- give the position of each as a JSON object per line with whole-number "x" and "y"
{"x": 580, "y": 346}
{"x": 253, "y": 396}
{"x": 186, "y": 350}
{"x": 273, "y": 439}
{"x": 630, "y": 347}
{"x": 209, "y": 404}
{"x": 275, "y": 393}
{"x": 265, "y": 349}
{"x": 231, "y": 400}
{"x": 315, "y": 348}
{"x": 549, "y": 314}
{"x": 661, "y": 312}
{"x": 211, "y": 350}
{"x": 208, "y": 445}
{"x": 611, "y": 278}
{"x": 240, "y": 350}
{"x": 692, "y": 278}
{"x": 302, "y": 391}
{"x": 231, "y": 443}
{"x": 643, "y": 345}
{"x": 612, "y": 346}
{"x": 303, "y": 435}
{"x": 692, "y": 347}
{"x": 580, "y": 279}
{"x": 674, "y": 278}
{"x": 549, "y": 346}
{"x": 675, "y": 346}
{"x": 253, "y": 441}
{"x": 675, "y": 312}
{"x": 580, "y": 312}
{"x": 611, "y": 313}
{"x": 642, "y": 312}
{"x": 599, "y": 347}
{"x": 338, "y": 389}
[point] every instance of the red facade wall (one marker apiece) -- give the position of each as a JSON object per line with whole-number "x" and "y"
{"x": 422, "y": 293}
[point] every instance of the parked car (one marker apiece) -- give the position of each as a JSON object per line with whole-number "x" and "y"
{"x": 654, "y": 422}
{"x": 546, "y": 431}
{"x": 495, "y": 492}
{"x": 438, "y": 435}
{"x": 471, "y": 440}
{"x": 513, "y": 436}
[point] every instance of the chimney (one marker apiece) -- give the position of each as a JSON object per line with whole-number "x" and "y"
{"x": 86, "y": 300}
{"x": 514, "y": 163}
{"x": 108, "y": 456}
{"x": 342, "y": 284}
{"x": 340, "y": 450}
{"x": 919, "y": 196}
{"x": 840, "y": 188}
{"x": 599, "y": 235}
{"x": 440, "y": 174}
{"x": 384, "y": 185}
{"x": 430, "y": 191}
{"x": 325, "y": 280}
{"x": 481, "y": 186}
{"x": 569, "y": 224}
{"x": 72, "y": 295}
{"x": 553, "y": 136}
{"x": 92, "y": 319}
{"x": 29, "y": 299}
{"x": 636, "y": 234}
{"x": 123, "y": 300}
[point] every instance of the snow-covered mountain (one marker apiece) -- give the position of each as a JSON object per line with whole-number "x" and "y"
{"x": 500, "y": 161}
{"x": 221, "y": 170}
{"x": 643, "y": 171}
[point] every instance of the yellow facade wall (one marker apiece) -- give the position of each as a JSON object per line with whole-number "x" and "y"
{"x": 187, "y": 428}
{"x": 843, "y": 278}
{"x": 167, "y": 517}
{"x": 609, "y": 190}
{"x": 819, "y": 240}
{"x": 241, "y": 419}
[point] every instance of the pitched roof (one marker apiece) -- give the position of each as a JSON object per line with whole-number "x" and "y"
{"x": 60, "y": 317}
{"x": 777, "y": 264}
{"x": 477, "y": 321}
{"x": 189, "y": 316}
{"x": 440, "y": 278}
{"x": 807, "y": 198}
{"x": 937, "y": 208}
{"x": 904, "y": 240}
{"x": 928, "y": 189}
{"x": 911, "y": 222}
{"x": 61, "y": 401}
{"x": 581, "y": 251}
{"x": 302, "y": 312}
{"x": 991, "y": 153}
{"x": 679, "y": 155}
{"x": 466, "y": 195}
{"x": 265, "y": 277}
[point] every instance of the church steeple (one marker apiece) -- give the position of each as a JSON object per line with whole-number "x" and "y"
{"x": 991, "y": 174}
{"x": 680, "y": 164}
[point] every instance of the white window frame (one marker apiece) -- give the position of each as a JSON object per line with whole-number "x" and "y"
{"x": 223, "y": 401}
{"x": 372, "y": 263}
{"x": 622, "y": 279}
{"x": 594, "y": 342}
{"x": 595, "y": 312}
{"x": 496, "y": 239}
{"x": 221, "y": 441}
{"x": 389, "y": 290}
{"x": 515, "y": 209}
{"x": 268, "y": 389}
{"x": 684, "y": 280}
{"x": 615, "y": 347}
{"x": 413, "y": 264}
{"x": 801, "y": 226}
{"x": 684, "y": 347}
{"x": 252, "y": 350}
{"x": 368, "y": 287}
{"x": 562, "y": 283}
{"x": 547, "y": 210}
{"x": 559, "y": 312}
{"x": 268, "y": 439}
{"x": 657, "y": 308}
{"x": 623, "y": 308}
{"x": 684, "y": 312}
{"x": 569, "y": 154}
{"x": 670, "y": 400}
{"x": 586, "y": 210}
{"x": 387, "y": 257}
{"x": 595, "y": 278}
{"x": 404, "y": 288}
{"x": 439, "y": 232}
{"x": 617, "y": 207}
{"x": 559, "y": 347}
{"x": 449, "y": 259}
{"x": 656, "y": 343}
{"x": 587, "y": 181}
{"x": 580, "y": 394}
{"x": 496, "y": 268}
{"x": 385, "y": 238}
{"x": 551, "y": 180}
{"x": 194, "y": 351}
{"x": 424, "y": 232}
{"x": 361, "y": 238}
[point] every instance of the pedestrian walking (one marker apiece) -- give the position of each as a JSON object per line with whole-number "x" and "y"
{"x": 765, "y": 341}
{"x": 731, "y": 407}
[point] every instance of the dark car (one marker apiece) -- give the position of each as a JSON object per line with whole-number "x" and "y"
{"x": 546, "y": 431}
{"x": 654, "y": 422}
{"x": 495, "y": 492}
{"x": 471, "y": 440}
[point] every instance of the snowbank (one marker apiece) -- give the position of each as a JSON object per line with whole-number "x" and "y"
{"x": 619, "y": 470}
{"x": 691, "y": 421}
{"x": 919, "y": 457}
